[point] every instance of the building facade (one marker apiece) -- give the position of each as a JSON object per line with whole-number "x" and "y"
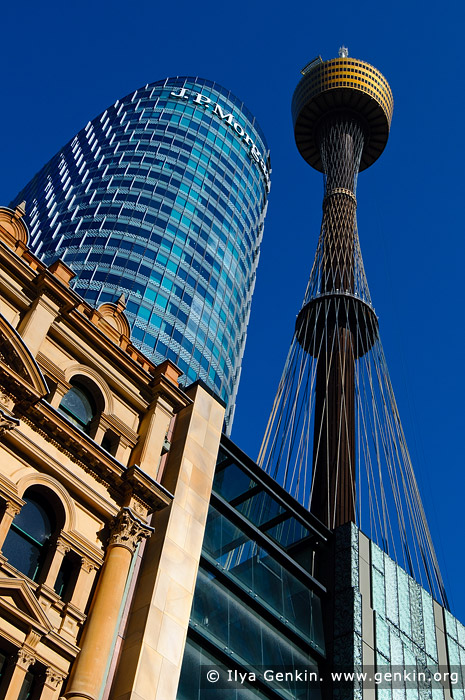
{"x": 162, "y": 198}
{"x": 100, "y": 450}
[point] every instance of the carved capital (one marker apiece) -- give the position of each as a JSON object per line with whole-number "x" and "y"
{"x": 12, "y": 509}
{"x": 53, "y": 678}
{"x": 25, "y": 659}
{"x": 7, "y": 422}
{"x": 128, "y": 530}
{"x": 5, "y": 400}
{"x": 87, "y": 565}
{"x": 62, "y": 547}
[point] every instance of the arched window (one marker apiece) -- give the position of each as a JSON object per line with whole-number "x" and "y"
{"x": 30, "y": 532}
{"x": 79, "y": 406}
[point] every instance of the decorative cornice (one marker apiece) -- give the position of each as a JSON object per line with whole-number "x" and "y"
{"x": 18, "y": 599}
{"x": 151, "y": 492}
{"x": 81, "y": 449}
{"x": 163, "y": 386}
{"x": 17, "y": 360}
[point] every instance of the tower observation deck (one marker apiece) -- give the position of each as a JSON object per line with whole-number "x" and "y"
{"x": 334, "y": 436}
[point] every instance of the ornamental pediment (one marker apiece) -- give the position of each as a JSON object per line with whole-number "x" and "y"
{"x": 19, "y": 602}
{"x": 17, "y": 359}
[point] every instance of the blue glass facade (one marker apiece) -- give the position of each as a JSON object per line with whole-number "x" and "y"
{"x": 162, "y": 198}
{"x": 256, "y": 604}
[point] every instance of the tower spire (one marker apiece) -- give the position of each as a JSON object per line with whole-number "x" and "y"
{"x": 334, "y": 437}
{"x": 340, "y": 130}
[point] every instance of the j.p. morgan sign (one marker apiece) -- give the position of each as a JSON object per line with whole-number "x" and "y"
{"x": 207, "y": 103}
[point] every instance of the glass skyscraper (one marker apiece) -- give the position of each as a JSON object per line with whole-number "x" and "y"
{"x": 162, "y": 198}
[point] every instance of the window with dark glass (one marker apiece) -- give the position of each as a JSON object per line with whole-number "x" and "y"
{"x": 79, "y": 407}
{"x": 29, "y": 689}
{"x": 110, "y": 442}
{"x": 30, "y": 532}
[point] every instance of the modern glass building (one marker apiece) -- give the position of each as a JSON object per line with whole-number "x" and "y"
{"x": 279, "y": 593}
{"x": 162, "y": 198}
{"x": 257, "y": 604}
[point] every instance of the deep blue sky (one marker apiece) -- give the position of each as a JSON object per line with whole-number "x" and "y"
{"x": 65, "y": 63}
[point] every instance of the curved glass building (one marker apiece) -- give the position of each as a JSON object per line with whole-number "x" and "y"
{"x": 162, "y": 198}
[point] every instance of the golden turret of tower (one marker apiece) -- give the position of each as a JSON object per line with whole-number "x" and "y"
{"x": 341, "y": 85}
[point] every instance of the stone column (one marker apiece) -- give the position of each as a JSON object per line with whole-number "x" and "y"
{"x": 57, "y": 559}
{"x": 157, "y": 418}
{"x": 59, "y": 393}
{"x": 153, "y": 429}
{"x": 25, "y": 659}
{"x": 99, "y": 433}
{"x": 11, "y": 511}
{"x": 34, "y": 327}
{"x": 153, "y": 648}
{"x": 52, "y": 685}
{"x": 84, "y": 583}
{"x": 89, "y": 668}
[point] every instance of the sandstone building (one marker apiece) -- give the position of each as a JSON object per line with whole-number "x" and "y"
{"x": 100, "y": 449}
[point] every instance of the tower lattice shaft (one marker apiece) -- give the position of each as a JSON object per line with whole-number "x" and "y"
{"x": 333, "y": 473}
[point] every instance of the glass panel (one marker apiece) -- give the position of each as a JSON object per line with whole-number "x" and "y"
{"x": 397, "y": 656}
{"x": 21, "y": 553}
{"x": 416, "y": 609}
{"x": 430, "y": 627}
{"x": 382, "y": 637}
{"x": 3, "y": 660}
{"x": 27, "y": 687}
{"x": 451, "y": 624}
{"x": 34, "y": 520}
{"x": 461, "y": 634}
{"x": 261, "y": 508}
{"x": 224, "y": 541}
{"x": 227, "y": 622}
{"x": 382, "y": 693}
{"x": 392, "y": 608}
{"x": 377, "y": 557}
{"x": 288, "y": 532}
{"x": 77, "y": 406}
{"x": 28, "y": 533}
{"x": 404, "y": 602}
{"x": 231, "y": 482}
{"x": 191, "y": 681}
{"x": 258, "y": 572}
{"x": 64, "y": 576}
{"x": 410, "y": 660}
